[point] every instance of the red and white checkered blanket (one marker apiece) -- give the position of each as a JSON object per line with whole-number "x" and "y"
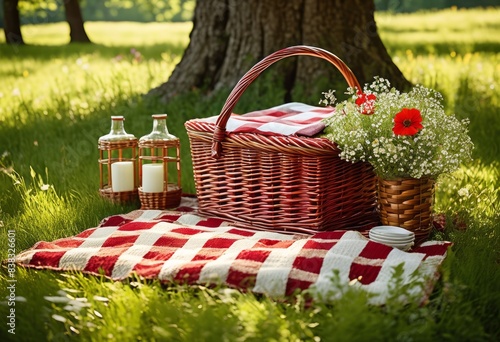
{"x": 288, "y": 119}
{"x": 180, "y": 246}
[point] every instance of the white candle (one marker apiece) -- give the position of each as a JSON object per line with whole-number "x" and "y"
{"x": 122, "y": 176}
{"x": 152, "y": 177}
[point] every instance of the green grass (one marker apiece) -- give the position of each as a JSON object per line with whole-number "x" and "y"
{"x": 441, "y": 32}
{"x": 57, "y": 99}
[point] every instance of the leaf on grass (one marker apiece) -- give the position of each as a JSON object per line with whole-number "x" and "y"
{"x": 97, "y": 314}
{"x": 57, "y": 299}
{"x": 101, "y": 299}
{"x": 59, "y": 318}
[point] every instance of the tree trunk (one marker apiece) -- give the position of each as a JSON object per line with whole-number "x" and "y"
{"x": 12, "y": 23}
{"x": 75, "y": 20}
{"x": 230, "y": 36}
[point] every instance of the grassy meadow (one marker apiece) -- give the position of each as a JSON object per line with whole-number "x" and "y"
{"x": 56, "y": 101}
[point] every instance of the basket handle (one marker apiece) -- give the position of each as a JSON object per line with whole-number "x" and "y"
{"x": 257, "y": 69}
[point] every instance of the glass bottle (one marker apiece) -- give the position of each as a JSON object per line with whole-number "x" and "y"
{"x": 117, "y": 131}
{"x": 160, "y": 130}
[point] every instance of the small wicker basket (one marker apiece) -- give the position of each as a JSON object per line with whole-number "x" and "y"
{"x": 407, "y": 203}
{"x": 284, "y": 183}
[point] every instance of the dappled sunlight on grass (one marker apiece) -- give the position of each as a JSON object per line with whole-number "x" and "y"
{"x": 471, "y": 194}
{"x": 445, "y": 73}
{"x": 441, "y": 32}
{"x": 94, "y": 80}
{"x": 43, "y": 213}
{"x": 452, "y": 20}
{"x": 109, "y": 34}
{"x": 139, "y": 34}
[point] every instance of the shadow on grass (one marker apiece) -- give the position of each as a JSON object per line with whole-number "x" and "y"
{"x": 442, "y": 48}
{"x": 76, "y": 50}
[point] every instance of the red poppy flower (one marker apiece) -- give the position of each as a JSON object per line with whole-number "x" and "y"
{"x": 366, "y": 102}
{"x": 407, "y": 122}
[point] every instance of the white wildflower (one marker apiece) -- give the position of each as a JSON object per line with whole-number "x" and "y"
{"x": 463, "y": 192}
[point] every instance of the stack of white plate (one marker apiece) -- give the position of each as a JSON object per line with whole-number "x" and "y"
{"x": 393, "y": 236}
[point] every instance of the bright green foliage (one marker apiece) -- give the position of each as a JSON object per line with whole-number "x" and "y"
{"x": 55, "y": 101}
{"x": 52, "y": 11}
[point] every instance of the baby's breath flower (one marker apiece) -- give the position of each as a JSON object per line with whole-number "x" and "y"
{"x": 440, "y": 146}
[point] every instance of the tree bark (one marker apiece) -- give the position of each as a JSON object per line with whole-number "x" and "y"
{"x": 75, "y": 21}
{"x": 230, "y": 36}
{"x": 12, "y": 23}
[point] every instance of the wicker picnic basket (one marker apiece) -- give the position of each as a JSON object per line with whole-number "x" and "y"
{"x": 282, "y": 183}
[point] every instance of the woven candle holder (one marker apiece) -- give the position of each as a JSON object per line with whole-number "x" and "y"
{"x": 111, "y": 152}
{"x": 407, "y": 203}
{"x": 159, "y": 152}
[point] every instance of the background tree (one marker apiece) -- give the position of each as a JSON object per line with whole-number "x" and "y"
{"x": 75, "y": 21}
{"x": 229, "y": 36}
{"x": 12, "y": 23}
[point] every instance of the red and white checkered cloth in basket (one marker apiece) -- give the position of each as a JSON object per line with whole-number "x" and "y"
{"x": 180, "y": 246}
{"x": 288, "y": 119}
